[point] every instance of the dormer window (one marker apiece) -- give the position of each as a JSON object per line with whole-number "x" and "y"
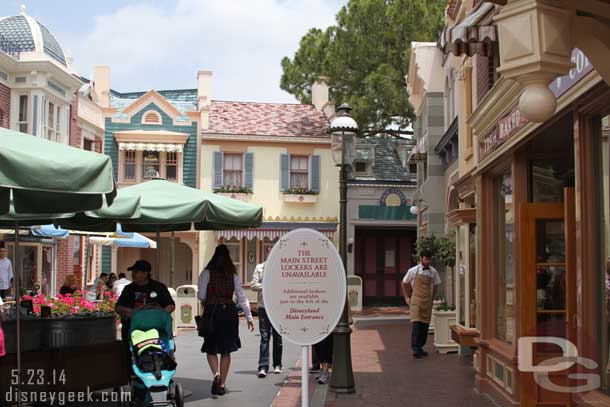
{"x": 360, "y": 167}
{"x": 151, "y": 117}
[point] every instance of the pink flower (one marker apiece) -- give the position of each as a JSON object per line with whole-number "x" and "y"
{"x": 107, "y": 294}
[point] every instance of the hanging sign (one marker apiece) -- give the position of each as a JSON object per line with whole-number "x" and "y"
{"x": 304, "y": 286}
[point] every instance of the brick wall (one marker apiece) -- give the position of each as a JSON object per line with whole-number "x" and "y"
{"x": 75, "y": 131}
{"x": 5, "y": 106}
{"x": 65, "y": 260}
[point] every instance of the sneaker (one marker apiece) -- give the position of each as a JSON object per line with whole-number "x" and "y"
{"x": 262, "y": 373}
{"x": 323, "y": 378}
{"x": 277, "y": 370}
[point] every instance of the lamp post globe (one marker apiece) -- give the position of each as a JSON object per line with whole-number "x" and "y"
{"x": 343, "y": 130}
{"x": 414, "y": 210}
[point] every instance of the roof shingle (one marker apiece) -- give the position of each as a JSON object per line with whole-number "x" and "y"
{"x": 266, "y": 119}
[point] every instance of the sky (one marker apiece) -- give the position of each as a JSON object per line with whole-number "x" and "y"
{"x": 161, "y": 44}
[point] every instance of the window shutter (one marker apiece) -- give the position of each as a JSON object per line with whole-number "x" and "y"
{"x": 218, "y": 169}
{"x": 314, "y": 180}
{"x": 285, "y": 172}
{"x": 249, "y": 170}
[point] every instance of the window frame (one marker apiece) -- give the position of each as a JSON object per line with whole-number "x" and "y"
{"x": 299, "y": 171}
{"x": 227, "y": 172}
{"x": 171, "y": 162}
{"x": 20, "y": 121}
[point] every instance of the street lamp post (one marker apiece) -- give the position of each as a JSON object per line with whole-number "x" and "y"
{"x": 343, "y": 130}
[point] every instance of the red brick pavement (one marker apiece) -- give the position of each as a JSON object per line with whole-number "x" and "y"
{"x": 387, "y": 375}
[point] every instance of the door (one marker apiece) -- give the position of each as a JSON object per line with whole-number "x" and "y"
{"x": 547, "y": 285}
{"x": 382, "y": 258}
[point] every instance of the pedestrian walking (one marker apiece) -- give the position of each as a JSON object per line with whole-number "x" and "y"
{"x": 6, "y": 274}
{"x": 218, "y": 283}
{"x": 419, "y": 289}
{"x": 324, "y": 352}
{"x": 266, "y": 329}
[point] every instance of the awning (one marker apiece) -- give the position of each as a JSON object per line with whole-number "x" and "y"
{"x": 136, "y": 240}
{"x": 275, "y": 230}
{"x": 123, "y": 239}
{"x": 470, "y": 38}
{"x": 49, "y": 231}
{"x": 171, "y": 148}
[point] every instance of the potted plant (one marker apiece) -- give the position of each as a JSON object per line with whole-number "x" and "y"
{"x": 444, "y": 316}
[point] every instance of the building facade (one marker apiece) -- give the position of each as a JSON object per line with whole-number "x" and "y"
{"x": 381, "y": 229}
{"x": 274, "y": 155}
{"x": 153, "y": 134}
{"x": 42, "y": 95}
{"x": 532, "y": 194}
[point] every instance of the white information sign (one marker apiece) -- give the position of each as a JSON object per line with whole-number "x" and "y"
{"x": 304, "y": 286}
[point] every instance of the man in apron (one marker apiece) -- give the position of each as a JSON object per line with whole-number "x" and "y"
{"x": 419, "y": 288}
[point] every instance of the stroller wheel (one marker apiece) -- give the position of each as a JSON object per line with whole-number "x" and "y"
{"x": 179, "y": 395}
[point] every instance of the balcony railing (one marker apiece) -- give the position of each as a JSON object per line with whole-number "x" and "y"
{"x": 9, "y": 47}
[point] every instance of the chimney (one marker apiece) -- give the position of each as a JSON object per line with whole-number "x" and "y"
{"x": 204, "y": 88}
{"x": 101, "y": 81}
{"x": 319, "y": 93}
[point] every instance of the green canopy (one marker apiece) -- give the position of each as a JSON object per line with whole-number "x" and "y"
{"x": 100, "y": 220}
{"x": 167, "y": 206}
{"x": 48, "y": 177}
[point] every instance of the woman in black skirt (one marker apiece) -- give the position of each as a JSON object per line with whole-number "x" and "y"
{"x": 218, "y": 283}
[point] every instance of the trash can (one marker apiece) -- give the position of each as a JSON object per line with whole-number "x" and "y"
{"x": 187, "y": 306}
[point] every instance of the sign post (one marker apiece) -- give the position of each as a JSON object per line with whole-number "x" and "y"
{"x": 304, "y": 291}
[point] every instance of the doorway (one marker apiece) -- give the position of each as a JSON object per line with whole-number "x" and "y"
{"x": 382, "y": 257}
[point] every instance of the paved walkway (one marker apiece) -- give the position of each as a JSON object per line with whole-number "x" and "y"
{"x": 244, "y": 387}
{"x": 386, "y": 374}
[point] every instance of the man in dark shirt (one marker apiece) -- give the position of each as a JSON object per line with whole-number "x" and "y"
{"x": 142, "y": 291}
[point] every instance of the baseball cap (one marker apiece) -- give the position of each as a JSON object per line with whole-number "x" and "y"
{"x": 141, "y": 265}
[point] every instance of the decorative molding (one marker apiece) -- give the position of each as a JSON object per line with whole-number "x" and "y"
{"x": 150, "y": 136}
{"x": 264, "y": 139}
{"x": 462, "y": 216}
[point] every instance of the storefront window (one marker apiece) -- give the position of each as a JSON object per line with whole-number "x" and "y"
{"x": 150, "y": 165}
{"x": 504, "y": 273}
{"x": 46, "y": 280}
{"x": 234, "y": 246}
{"x": 549, "y": 177}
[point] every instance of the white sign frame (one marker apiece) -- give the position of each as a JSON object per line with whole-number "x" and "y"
{"x": 273, "y": 277}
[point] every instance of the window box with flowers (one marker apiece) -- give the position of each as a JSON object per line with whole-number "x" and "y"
{"x": 241, "y": 193}
{"x": 301, "y": 195}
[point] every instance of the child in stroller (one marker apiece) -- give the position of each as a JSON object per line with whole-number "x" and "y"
{"x": 152, "y": 358}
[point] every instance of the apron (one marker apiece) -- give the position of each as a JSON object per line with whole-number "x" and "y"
{"x": 421, "y": 299}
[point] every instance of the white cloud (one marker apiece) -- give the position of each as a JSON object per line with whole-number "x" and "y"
{"x": 241, "y": 41}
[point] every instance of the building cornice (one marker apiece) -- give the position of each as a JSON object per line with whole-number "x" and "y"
{"x": 264, "y": 139}
{"x": 150, "y": 136}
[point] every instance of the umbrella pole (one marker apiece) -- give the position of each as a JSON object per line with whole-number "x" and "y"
{"x": 17, "y": 279}
{"x": 158, "y": 253}
{"x": 172, "y": 259}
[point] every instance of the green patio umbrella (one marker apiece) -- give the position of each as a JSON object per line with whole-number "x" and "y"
{"x": 44, "y": 177}
{"x": 47, "y": 177}
{"x": 168, "y": 207}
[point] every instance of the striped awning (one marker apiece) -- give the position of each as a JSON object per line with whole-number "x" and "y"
{"x": 275, "y": 230}
{"x": 469, "y": 37}
{"x": 171, "y": 148}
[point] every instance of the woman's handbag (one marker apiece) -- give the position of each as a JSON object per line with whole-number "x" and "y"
{"x": 205, "y": 326}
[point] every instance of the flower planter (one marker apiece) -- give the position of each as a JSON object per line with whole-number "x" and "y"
{"x": 442, "y": 331}
{"x": 301, "y": 198}
{"x": 435, "y": 305}
{"x": 241, "y": 196}
{"x": 59, "y": 333}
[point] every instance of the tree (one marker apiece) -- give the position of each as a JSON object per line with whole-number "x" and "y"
{"x": 366, "y": 57}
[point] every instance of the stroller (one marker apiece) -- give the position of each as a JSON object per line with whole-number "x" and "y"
{"x": 152, "y": 359}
